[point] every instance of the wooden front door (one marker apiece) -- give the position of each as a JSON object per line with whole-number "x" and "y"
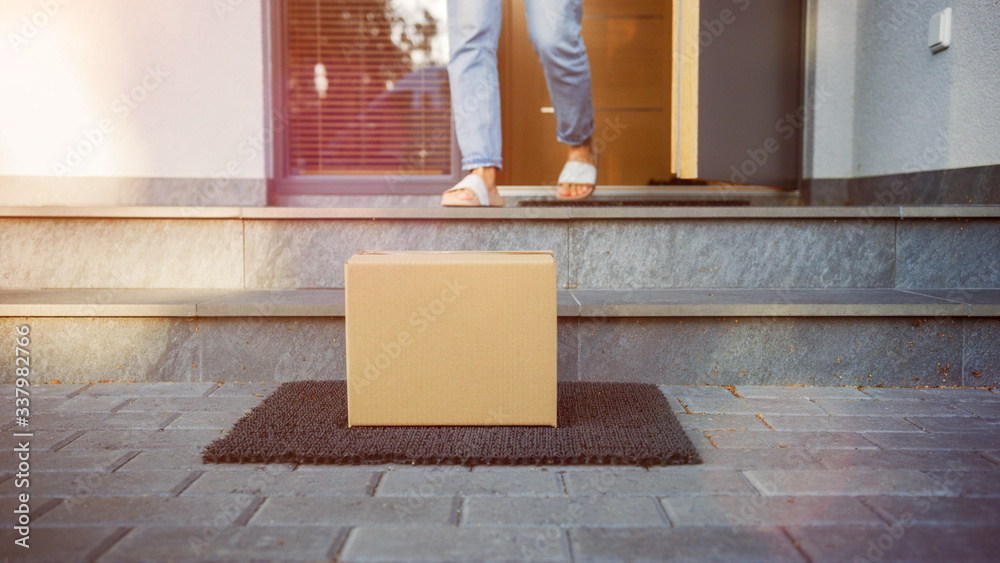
{"x": 629, "y": 46}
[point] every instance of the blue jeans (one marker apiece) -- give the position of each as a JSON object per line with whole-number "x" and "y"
{"x": 473, "y": 33}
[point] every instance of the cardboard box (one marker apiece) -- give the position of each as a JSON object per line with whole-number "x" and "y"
{"x": 451, "y": 338}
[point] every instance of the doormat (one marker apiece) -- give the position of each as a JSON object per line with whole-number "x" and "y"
{"x": 598, "y": 424}
{"x": 634, "y": 203}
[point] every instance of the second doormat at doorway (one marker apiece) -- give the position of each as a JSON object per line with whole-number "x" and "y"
{"x": 598, "y": 423}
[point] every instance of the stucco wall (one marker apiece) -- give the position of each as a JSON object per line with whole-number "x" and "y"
{"x": 123, "y": 88}
{"x": 911, "y": 110}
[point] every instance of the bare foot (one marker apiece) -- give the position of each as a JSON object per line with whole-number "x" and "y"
{"x": 466, "y": 196}
{"x": 587, "y": 153}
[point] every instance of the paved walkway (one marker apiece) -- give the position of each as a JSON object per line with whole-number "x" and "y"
{"x": 790, "y": 473}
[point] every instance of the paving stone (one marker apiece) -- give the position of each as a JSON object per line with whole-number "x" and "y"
{"x": 971, "y": 483}
{"x": 783, "y": 422}
{"x": 932, "y": 441}
{"x": 47, "y": 390}
{"x": 100, "y": 484}
{"x": 705, "y": 391}
{"x": 143, "y": 439}
{"x": 936, "y": 510}
{"x": 917, "y": 543}
{"x": 232, "y": 543}
{"x": 455, "y": 544}
{"x": 699, "y": 441}
{"x": 192, "y": 404}
{"x": 993, "y": 455}
{"x": 206, "y": 420}
{"x": 673, "y": 481}
{"x": 39, "y": 441}
{"x": 85, "y": 403}
{"x": 957, "y": 424}
{"x": 808, "y": 440}
{"x": 96, "y": 421}
{"x": 751, "y": 406}
{"x": 784, "y": 458}
{"x": 675, "y": 405}
{"x": 273, "y": 483}
{"x": 37, "y": 406}
{"x": 246, "y": 389}
{"x": 353, "y": 511}
{"x": 580, "y": 511}
{"x": 722, "y": 422}
{"x": 556, "y": 469}
{"x": 38, "y": 505}
{"x": 83, "y": 460}
{"x": 986, "y": 410}
{"x": 58, "y": 544}
{"x": 896, "y": 393}
{"x": 900, "y": 459}
{"x": 798, "y": 392}
{"x": 767, "y": 511}
{"x": 157, "y": 389}
{"x": 849, "y": 482}
{"x": 957, "y": 394}
{"x": 387, "y": 467}
{"x": 507, "y": 483}
{"x": 186, "y": 457}
{"x": 682, "y": 544}
{"x": 890, "y": 408}
{"x": 138, "y": 511}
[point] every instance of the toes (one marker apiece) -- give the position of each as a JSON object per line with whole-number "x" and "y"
{"x": 463, "y": 194}
{"x": 572, "y": 190}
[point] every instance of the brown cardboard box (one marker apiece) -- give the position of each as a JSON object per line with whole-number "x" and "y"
{"x": 451, "y": 338}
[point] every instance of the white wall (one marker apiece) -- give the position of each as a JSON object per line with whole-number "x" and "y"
{"x": 911, "y": 110}
{"x": 178, "y": 86}
{"x": 834, "y": 42}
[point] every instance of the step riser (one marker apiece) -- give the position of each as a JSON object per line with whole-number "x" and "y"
{"x": 604, "y": 253}
{"x": 896, "y": 351}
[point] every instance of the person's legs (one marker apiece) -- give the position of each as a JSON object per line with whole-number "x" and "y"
{"x": 473, "y": 33}
{"x": 554, "y": 28}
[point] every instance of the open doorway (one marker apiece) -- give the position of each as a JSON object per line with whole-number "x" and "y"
{"x": 628, "y": 44}
{"x": 682, "y": 89}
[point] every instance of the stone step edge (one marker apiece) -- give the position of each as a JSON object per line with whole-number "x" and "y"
{"x": 702, "y": 302}
{"x": 528, "y": 213}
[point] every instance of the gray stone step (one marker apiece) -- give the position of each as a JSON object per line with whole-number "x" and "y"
{"x": 595, "y": 248}
{"x": 854, "y": 302}
{"x": 830, "y": 337}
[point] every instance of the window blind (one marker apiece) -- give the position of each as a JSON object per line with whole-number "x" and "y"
{"x": 366, "y": 88}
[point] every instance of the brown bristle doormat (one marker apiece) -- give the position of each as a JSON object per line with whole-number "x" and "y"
{"x": 598, "y": 423}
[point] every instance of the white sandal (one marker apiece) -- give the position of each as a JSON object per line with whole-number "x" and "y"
{"x": 478, "y": 187}
{"x": 577, "y": 173}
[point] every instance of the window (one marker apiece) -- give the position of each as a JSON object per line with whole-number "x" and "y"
{"x": 365, "y": 89}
